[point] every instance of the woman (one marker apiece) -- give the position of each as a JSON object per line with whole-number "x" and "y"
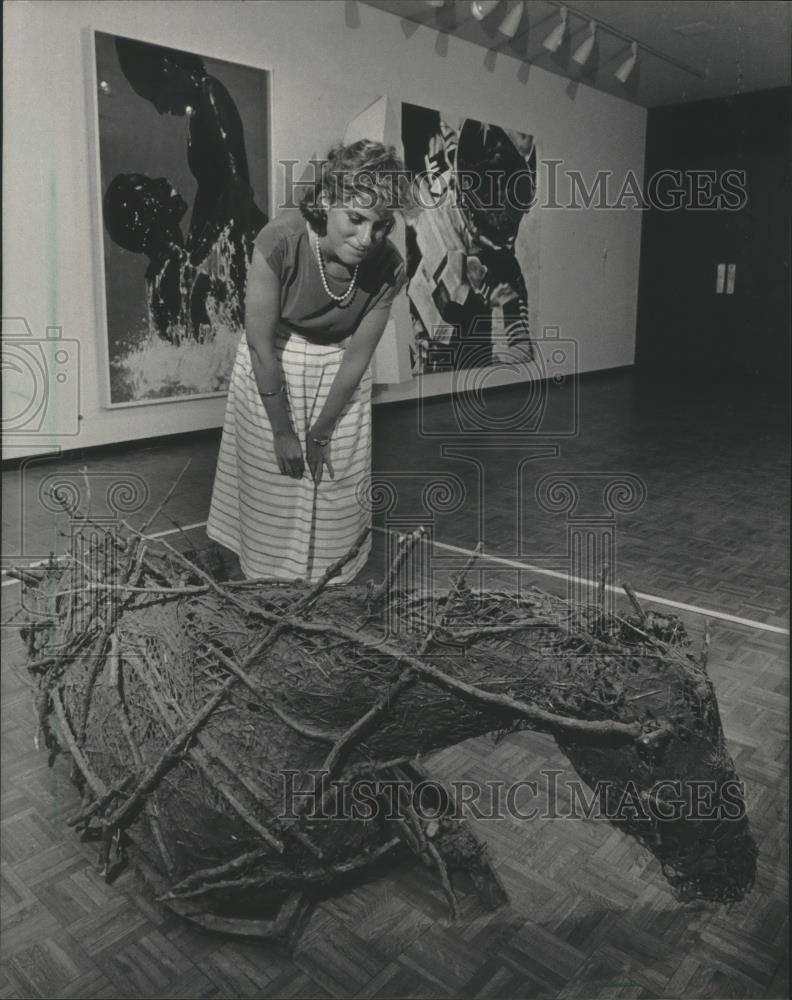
{"x": 297, "y": 437}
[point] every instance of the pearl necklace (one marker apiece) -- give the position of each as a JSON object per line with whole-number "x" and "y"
{"x": 350, "y": 292}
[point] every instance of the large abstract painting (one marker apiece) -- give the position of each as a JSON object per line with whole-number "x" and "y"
{"x": 472, "y": 248}
{"x": 184, "y": 176}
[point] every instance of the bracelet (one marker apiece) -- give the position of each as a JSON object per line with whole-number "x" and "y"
{"x": 276, "y": 393}
{"x": 319, "y": 442}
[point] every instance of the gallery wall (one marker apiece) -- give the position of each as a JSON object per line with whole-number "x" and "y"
{"x": 328, "y": 59}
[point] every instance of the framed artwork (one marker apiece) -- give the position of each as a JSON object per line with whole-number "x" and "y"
{"x": 473, "y": 246}
{"x": 184, "y": 187}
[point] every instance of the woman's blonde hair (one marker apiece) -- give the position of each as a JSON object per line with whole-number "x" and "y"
{"x": 369, "y": 171}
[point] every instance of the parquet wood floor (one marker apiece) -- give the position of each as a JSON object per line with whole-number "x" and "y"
{"x": 589, "y": 914}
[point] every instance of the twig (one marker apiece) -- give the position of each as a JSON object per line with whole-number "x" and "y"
{"x": 459, "y": 579}
{"x": 127, "y": 589}
{"x": 704, "y": 659}
{"x": 239, "y": 808}
{"x": 429, "y": 848}
{"x": 310, "y": 732}
{"x": 635, "y": 603}
{"x": 382, "y": 705}
{"x": 98, "y": 804}
{"x": 194, "y": 551}
{"x": 484, "y": 631}
{"x": 167, "y": 497}
{"x": 206, "y": 875}
{"x": 667, "y": 650}
{"x": 311, "y": 876}
{"x": 124, "y": 816}
{"x": 331, "y": 571}
{"x": 95, "y": 783}
{"x": 444, "y": 879}
{"x": 153, "y": 816}
{"x": 646, "y": 694}
{"x": 406, "y": 545}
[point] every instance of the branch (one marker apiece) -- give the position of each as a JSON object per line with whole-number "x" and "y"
{"x": 485, "y": 631}
{"x": 635, "y": 602}
{"x": 167, "y": 497}
{"x": 169, "y": 757}
{"x": 427, "y": 847}
{"x": 153, "y": 817}
{"x": 206, "y": 875}
{"x": 95, "y": 783}
{"x": 280, "y": 879}
{"x": 332, "y": 571}
{"x": 406, "y": 545}
{"x": 98, "y": 804}
{"x": 333, "y": 758}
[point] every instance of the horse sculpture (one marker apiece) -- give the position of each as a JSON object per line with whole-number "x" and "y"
{"x": 249, "y": 744}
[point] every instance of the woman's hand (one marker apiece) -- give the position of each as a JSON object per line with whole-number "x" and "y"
{"x": 318, "y": 456}
{"x": 288, "y": 454}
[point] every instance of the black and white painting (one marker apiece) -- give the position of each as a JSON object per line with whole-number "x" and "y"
{"x": 473, "y": 246}
{"x": 184, "y": 176}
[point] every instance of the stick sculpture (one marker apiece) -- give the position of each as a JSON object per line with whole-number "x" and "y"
{"x": 216, "y": 728}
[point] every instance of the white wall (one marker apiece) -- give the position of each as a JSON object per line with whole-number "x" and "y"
{"x": 323, "y": 70}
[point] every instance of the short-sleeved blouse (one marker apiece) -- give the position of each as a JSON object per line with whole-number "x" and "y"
{"x": 306, "y": 307}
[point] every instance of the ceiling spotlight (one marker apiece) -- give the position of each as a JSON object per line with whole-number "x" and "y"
{"x": 555, "y": 39}
{"x": 583, "y": 52}
{"x": 624, "y": 71}
{"x": 511, "y": 22}
{"x": 480, "y": 8}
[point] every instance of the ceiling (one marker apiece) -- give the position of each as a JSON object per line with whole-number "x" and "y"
{"x": 735, "y": 47}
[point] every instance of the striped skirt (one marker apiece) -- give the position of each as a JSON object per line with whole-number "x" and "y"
{"x": 280, "y": 527}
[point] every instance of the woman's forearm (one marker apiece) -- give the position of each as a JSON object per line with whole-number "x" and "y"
{"x": 347, "y": 379}
{"x": 272, "y": 387}
{"x": 262, "y": 312}
{"x": 357, "y": 358}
